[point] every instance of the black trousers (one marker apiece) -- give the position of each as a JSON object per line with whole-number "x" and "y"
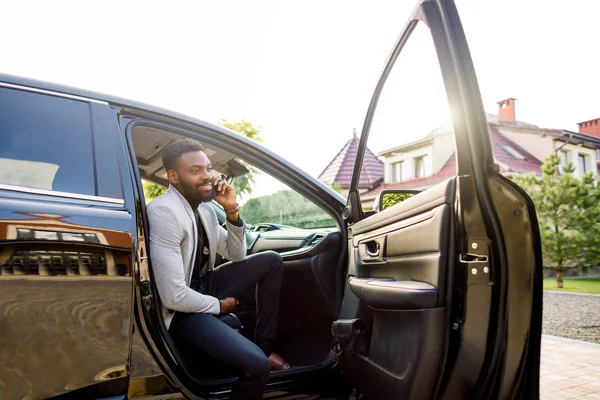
{"x": 262, "y": 273}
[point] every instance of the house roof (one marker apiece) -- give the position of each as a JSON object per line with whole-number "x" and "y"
{"x": 502, "y": 148}
{"x": 511, "y": 157}
{"x": 559, "y": 134}
{"x": 408, "y": 146}
{"x": 493, "y": 119}
{"x": 341, "y": 167}
{"x": 562, "y": 135}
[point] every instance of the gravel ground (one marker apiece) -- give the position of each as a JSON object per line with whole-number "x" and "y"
{"x": 572, "y": 315}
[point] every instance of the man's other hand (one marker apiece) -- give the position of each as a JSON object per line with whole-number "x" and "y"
{"x": 228, "y": 304}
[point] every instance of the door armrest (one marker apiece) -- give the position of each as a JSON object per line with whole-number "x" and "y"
{"x": 395, "y": 295}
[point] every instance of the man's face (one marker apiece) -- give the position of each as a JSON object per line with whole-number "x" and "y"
{"x": 193, "y": 177}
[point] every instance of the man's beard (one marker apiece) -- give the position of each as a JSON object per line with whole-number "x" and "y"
{"x": 192, "y": 192}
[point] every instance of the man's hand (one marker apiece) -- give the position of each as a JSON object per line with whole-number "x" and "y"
{"x": 225, "y": 194}
{"x": 228, "y": 304}
{"x": 226, "y": 198}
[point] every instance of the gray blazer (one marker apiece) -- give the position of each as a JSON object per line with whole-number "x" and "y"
{"x": 173, "y": 242}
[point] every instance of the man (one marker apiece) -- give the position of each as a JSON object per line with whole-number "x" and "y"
{"x": 185, "y": 236}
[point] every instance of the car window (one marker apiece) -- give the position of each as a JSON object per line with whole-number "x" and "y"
{"x": 273, "y": 205}
{"x": 46, "y": 142}
{"x": 411, "y": 141}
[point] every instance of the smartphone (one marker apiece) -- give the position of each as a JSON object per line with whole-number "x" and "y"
{"x": 215, "y": 182}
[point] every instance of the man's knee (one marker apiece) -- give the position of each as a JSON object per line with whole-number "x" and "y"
{"x": 259, "y": 368}
{"x": 273, "y": 259}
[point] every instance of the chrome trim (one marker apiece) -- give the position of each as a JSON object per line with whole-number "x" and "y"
{"x": 51, "y": 93}
{"x": 61, "y": 194}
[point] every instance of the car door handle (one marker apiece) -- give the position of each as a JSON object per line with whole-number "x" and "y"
{"x": 372, "y": 249}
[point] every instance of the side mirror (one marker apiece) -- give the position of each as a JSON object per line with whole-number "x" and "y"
{"x": 388, "y": 198}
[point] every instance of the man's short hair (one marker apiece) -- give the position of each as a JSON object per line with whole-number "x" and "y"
{"x": 175, "y": 149}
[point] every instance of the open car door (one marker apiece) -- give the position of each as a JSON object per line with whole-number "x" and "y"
{"x": 443, "y": 291}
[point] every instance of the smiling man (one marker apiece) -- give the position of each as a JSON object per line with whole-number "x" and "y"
{"x": 185, "y": 236}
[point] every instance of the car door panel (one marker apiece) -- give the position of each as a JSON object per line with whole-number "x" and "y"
{"x": 401, "y": 292}
{"x": 442, "y": 193}
{"x": 308, "y": 279}
{"x": 405, "y": 348}
{"x": 310, "y": 272}
{"x": 417, "y": 240}
{"x": 310, "y": 261}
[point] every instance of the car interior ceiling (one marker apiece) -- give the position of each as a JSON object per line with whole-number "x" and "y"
{"x": 309, "y": 300}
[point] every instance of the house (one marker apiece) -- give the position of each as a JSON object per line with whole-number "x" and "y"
{"x": 518, "y": 148}
{"x": 339, "y": 171}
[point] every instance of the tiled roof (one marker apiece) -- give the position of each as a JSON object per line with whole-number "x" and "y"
{"x": 502, "y": 154}
{"x": 341, "y": 167}
{"x": 447, "y": 128}
{"x": 493, "y": 118}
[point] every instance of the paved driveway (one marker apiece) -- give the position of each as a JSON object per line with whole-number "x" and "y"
{"x": 570, "y": 369}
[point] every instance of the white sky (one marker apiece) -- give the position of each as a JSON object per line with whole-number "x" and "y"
{"x": 304, "y": 70}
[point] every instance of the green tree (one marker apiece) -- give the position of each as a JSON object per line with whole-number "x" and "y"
{"x": 568, "y": 213}
{"x": 391, "y": 199}
{"x": 244, "y": 184}
{"x": 244, "y": 127}
{"x": 152, "y": 190}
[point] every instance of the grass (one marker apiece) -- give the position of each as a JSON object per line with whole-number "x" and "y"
{"x": 581, "y": 285}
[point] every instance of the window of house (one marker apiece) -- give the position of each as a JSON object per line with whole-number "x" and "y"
{"x": 512, "y": 151}
{"x": 46, "y": 142}
{"x": 420, "y": 169}
{"x": 565, "y": 158}
{"x": 583, "y": 167}
{"x": 397, "y": 172}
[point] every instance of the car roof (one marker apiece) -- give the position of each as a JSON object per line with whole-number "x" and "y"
{"x": 91, "y": 95}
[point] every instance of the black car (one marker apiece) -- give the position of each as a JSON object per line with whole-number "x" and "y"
{"x": 438, "y": 296}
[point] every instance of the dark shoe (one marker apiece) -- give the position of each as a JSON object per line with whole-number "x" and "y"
{"x": 278, "y": 363}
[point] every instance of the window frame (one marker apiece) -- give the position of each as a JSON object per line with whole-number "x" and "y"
{"x": 396, "y": 173}
{"x": 421, "y": 160}
{"x": 582, "y": 157}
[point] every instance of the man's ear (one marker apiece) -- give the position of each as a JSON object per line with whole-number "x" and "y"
{"x": 173, "y": 178}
